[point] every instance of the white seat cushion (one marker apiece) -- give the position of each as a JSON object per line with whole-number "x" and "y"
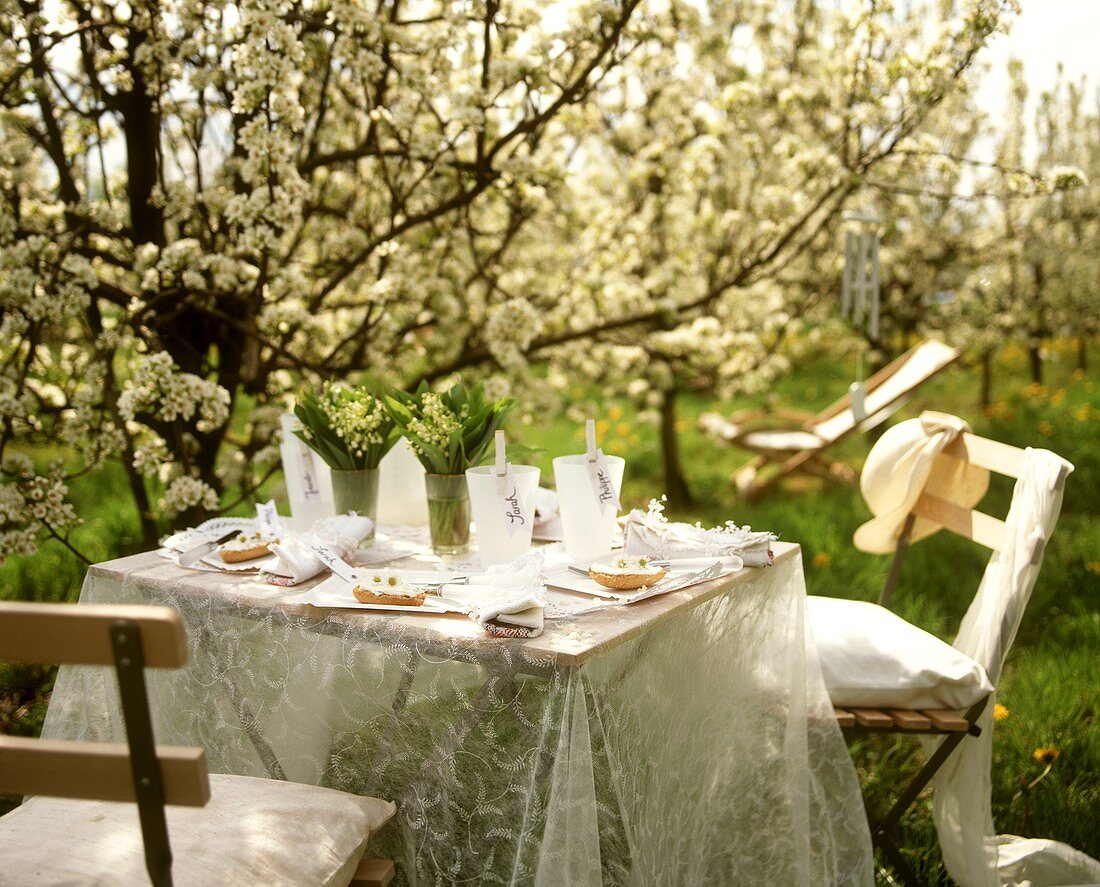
{"x": 253, "y": 831}
{"x": 871, "y": 657}
{"x": 782, "y": 441}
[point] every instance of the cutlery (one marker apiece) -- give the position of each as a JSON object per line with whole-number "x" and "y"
{"x": 683, "y": 563}
{"x": 670, "y": 584}
{"x": 193, "y": 555}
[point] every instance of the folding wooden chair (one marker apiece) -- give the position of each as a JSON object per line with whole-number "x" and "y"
{"x": 249, "y": 830}
{"x": 796, "y": 440}
{"x": 955, "y": 726}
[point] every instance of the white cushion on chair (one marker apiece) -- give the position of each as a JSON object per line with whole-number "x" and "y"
{"x": 871, "y": 657}
{"x": 781, "y": 440}
{"x": 253, "y": 831}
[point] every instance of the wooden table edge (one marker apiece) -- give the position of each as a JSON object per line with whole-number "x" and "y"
{"x": 539, "y": 654}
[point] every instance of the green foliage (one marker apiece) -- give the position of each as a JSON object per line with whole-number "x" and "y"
{"x": 452, "y": 431}
{"x": 349, "y": 428}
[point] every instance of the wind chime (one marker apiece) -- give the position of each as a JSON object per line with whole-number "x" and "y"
{"x": 860, "y": 294}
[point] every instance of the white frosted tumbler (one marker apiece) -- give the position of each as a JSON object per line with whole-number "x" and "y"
{"x": 495, "y": 544}
{"x": 587, "y": 528}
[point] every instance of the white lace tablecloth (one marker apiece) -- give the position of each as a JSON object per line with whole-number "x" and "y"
{"x": 687, "y": 739}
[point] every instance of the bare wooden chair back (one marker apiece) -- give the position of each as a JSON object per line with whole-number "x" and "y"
{"x": 130, "y": 639}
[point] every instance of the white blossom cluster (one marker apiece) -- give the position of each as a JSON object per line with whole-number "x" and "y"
{"x": 29, "y": 500}
{"x": 185, "y": 492}
{"x": 159, "y": 389}
{"x": 509, "y": 330}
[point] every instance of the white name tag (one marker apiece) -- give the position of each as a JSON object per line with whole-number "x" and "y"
{"x": 311, "y": 490}
{"x": 603, "y": 484}
{"x": 267, "y": 516}
{"x": 515, "y": 516}
{"x": 334, "y": 562}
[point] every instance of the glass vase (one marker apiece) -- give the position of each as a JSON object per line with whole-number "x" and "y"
{"x": 448, "y": 512}
{"x": 357, "y": 491}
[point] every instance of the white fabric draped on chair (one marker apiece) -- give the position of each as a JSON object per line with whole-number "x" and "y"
{"x": 973, "y": 853}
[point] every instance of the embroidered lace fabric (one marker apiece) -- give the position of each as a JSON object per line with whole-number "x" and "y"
{"x": 702, "y": 751}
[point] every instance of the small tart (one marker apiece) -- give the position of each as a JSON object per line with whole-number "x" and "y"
{"x": 246, "y": 547}
{"x": 366, "y": 596}
{"x": 626, "y": 573}
{"x": 387, "y": 588}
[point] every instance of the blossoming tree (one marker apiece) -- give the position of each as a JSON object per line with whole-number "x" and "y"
{"x": 204, "y": 201}
{"x": 704, "y": 180}
{"x": 1037, "y": 245}
{"x": 204, "y": 204}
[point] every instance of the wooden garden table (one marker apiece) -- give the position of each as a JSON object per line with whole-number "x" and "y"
{"x": 684, "y": 738}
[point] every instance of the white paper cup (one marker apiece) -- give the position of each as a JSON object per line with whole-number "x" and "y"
{"x": 494, "y": 542}
{"x": 587, "y": 529}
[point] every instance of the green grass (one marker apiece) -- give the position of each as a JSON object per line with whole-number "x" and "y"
{"x": 1050, "y": 685}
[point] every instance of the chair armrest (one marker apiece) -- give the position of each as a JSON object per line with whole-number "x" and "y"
{"x": 751, "y": 414}
{"x": 790, "y": 414}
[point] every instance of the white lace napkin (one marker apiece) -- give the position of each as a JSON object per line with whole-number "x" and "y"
{"x": 517, "y": 598}
{"x": 517, "y": 617}
{"x": 650, "y": 532}
{"x": 295, "y": 560}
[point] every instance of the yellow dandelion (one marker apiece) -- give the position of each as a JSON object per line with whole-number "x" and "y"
{"x": 634, "y": 440}
{"x": 1046, "y": 428}
{"x": 682, "y": 426}
{"x": 622, "y": 429}
{"x": 615, "y": 413}
{"x": 1000, "y": 712}
{"x": 1078, "y": 374}
{"x": 1093, "y": 567}
{"x": 1082, "y": 413}
{"x": 1034, "y": 390}
{"x": 1057, "y": 397}
{"x": 1045, "y": 755}
{"x": 601, "y": 427}
{"x": 822, "y": 559}
{"x": 616, "y": 448}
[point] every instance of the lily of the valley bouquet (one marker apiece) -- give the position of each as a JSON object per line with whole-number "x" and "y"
{"x": 351, "y": 429}
{"x": 449, "y": 432}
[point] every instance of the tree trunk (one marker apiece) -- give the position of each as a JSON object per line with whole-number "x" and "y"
{"x": 986, "y": 395}
{"x": 1038, "y": 329}
{"x": 1035, "y": 358}
{"x": 676, "y": 488}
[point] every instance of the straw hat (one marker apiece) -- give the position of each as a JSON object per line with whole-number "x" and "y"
{"x": 897, "y": 472}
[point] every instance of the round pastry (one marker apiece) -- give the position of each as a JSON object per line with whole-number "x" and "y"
{"x": 246, "y": 547}
{"x": 626, "y": 573}
{"x": 389, "y": 589}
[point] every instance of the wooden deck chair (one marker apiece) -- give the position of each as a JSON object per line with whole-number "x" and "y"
{"x": 227, "y": 830}
{"x": 842, "y": 627}
{"x": 796, "y": 440}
